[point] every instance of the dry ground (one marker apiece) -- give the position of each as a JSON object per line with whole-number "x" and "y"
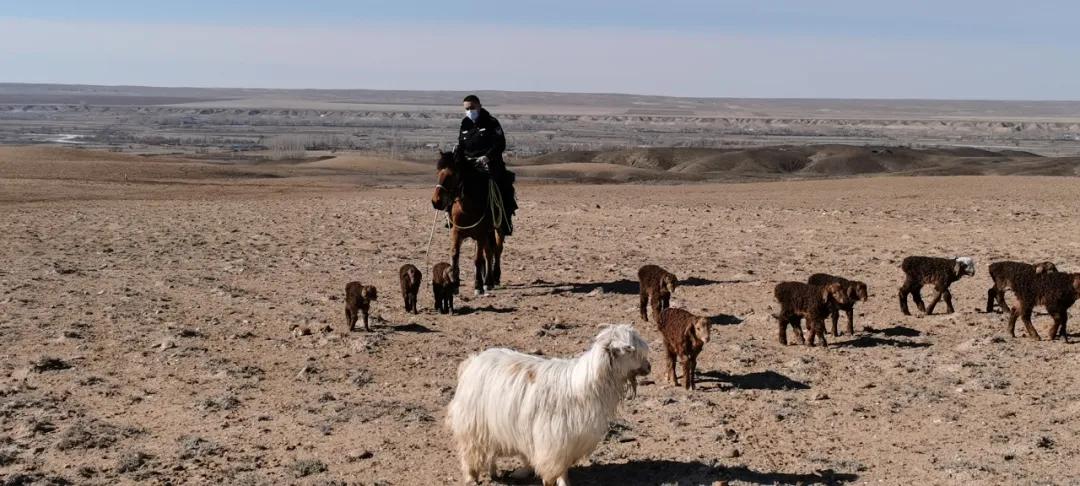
{"x": 154, "y": 331}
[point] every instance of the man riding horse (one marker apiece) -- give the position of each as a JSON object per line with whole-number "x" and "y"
{"x": 481, "y": 142}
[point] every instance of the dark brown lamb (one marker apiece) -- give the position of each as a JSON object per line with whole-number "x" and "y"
{"x": 358, "y": 299}
{"x": 855, "y": 291}
{"x": 1004, "y": 274}
{"x": 684, "y": 336}
{"x": 939, "y": 272}
{"x": 444, "y": 286}
{"x": 410, "y": 286}
{"x": 804, "y": 301}
{"x": 656, "y": 286}
{"x": 1055, "y": 291}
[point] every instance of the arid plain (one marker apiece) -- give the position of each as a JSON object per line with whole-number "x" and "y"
{"x": 171, "y": 320}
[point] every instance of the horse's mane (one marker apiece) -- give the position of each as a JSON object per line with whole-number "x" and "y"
{"x": 446, "y": 161}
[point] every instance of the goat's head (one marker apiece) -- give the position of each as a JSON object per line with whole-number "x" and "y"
{"x": 964, "y": 266}
{"x": 627, "y": 350}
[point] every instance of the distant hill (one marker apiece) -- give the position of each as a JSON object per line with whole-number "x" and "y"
{"x": 789, "y": 161}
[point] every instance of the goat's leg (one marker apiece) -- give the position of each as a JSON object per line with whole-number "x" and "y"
{"x": 644, "y": 305}
{"x": 796, "y": 324}
{"x": 1025, "y": 315}
{"x": 947, "y": 295}
{"x": 850, "y": 311}
{"x": 939, "y": 292}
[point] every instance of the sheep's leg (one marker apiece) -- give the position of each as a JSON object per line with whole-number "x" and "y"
{"x": 1001, "y": 300}
{"x": 834, "y": 314}
{"x": 940, "y": 291}
{"x": 796, "y": 325}
{"x": 904, "y": 291}
{"x": 644, "y": 305}
{"x": 1060, "y": 318}
{"x": 783, "y": 331}
{"x": 656, "y": 308}
{"x": 690, "y": 372}
{"x": 349, "y": 321}
{"x": 364, "y": 313}
{"x": 449, "y": 303}
{"x": 947, "y": 295}
{"x": 850, "y": 311}
{"x": 1025, "y": 315}
{"x": 665, "y": 300}
{"x": 670, "y": 366}
{"x": 1011, "y": 326}
{"x": 819, "y": 327}
{"x": 687, "y": 373}
{"x": 991, "y": 296}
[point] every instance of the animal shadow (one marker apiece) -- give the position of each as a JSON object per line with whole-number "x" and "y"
{"x": 621, "y": 286}
{"x": 466, "y": 310}
{"x": 665, "y": 472}
{"x": 412, "y": 327}
{"x": 872, "y": 341}
{"x": 725, "y": 320}
{"x": 895, "y": 331}
{"x": 762, "y": 380}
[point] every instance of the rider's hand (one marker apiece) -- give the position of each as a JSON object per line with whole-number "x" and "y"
{"x": 482, "y": 160}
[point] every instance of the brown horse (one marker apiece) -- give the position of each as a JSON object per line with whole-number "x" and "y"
{"x": 465, "y": 191}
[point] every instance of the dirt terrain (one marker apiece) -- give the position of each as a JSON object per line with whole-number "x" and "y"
{"x": 169, "y": 321}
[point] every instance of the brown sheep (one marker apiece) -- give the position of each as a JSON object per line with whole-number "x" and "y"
{"x": 939, "y": 272}
{"x": 444, "y": 286}
{"x": 656, "y": 286}
{"x": 410, "y": 286}
{"x": 1055, "y": 291}
{"x": 1004, "y": 274}
{"x": 358, "y": 299}
{"x": 855, "y": 290}
{"x": 684, "y": 336}
{"x": 804, "y": 301}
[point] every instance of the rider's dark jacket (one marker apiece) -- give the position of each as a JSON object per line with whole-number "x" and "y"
{"x": 480, "y": 138}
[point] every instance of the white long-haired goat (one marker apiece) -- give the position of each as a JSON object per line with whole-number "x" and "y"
{"x": 550, "y": 413}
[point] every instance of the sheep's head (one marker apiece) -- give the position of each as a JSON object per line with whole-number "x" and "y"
{"x": 629, "y": 353}
{"x": 668, "y": 283}
{"x": 701, "y": 329}
{"x": 964, "y": 266}
{"x": 858, "y": 292}
{"x": 370, "y": 293}
{"x": 834, "y": 291}
{"x": 1045, "y": 267}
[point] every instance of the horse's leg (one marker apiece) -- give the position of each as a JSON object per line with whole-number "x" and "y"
{"x": 480, "y": 262}
{"x": 496, "y": 266}
{"x": 455, "y": 256}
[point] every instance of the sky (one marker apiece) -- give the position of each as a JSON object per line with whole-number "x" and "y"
{"x": 940, "y": 49}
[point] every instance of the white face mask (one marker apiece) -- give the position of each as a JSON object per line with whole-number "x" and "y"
{"x": 472, "y": 114}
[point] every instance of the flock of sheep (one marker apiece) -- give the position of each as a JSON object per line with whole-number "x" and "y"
{"x": 551, "y": 413}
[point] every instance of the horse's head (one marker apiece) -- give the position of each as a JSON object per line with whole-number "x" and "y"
{"x": 449, "y": 182}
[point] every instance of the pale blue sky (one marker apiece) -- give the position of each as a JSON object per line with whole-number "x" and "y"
{"x": 838, "y": 49}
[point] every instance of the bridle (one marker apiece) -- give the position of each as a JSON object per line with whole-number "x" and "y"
{"x": 457, "y": 196}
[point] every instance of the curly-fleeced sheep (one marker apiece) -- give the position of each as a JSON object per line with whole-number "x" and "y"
{"x": 550, "y": 413}
{"x": 1055, "y": 291}
{"x": 444, "y": 286}
{"x": 684, "y": 336}
{"x": 1004, "y": 274}
{"x": 410, "y": 286}
{"x": 812, "y": 302}
{"x": 939, "y": 272}
{"x": 855, "y": 291}
{"x": 358, "y": 299}
{"x": 656, "y": 286}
